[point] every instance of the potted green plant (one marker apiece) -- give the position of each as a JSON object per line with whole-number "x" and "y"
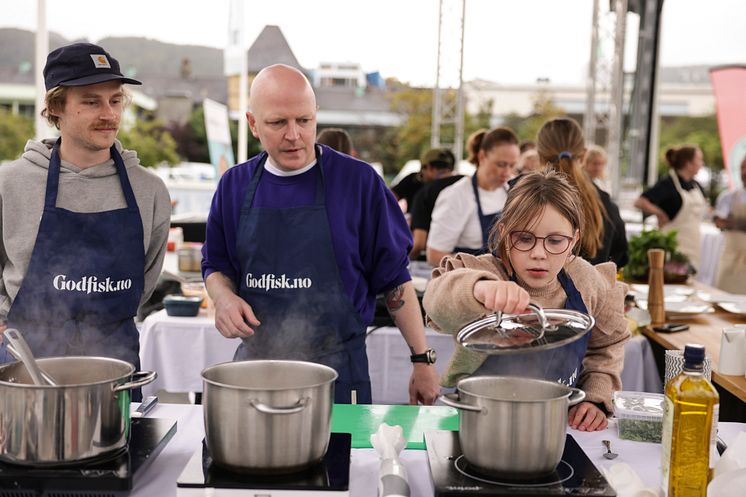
{"x": 677, "y": 268}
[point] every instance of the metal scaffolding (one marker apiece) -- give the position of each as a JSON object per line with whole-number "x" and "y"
{"x": 448, "y": 98}
{"x": 605, "y": 103}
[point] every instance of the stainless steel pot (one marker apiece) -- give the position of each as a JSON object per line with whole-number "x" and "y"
{"x": 268, "y": 416}
{"x": 513, "y": 427}
{"x": 84, "y": 417}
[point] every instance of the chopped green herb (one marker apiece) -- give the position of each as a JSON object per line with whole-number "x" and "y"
{"x": 640, "y": 430}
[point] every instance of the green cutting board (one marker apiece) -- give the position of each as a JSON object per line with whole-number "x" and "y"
{"x": 363, "y": 420}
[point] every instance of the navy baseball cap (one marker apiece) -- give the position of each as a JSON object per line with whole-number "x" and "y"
{"x": 82, "y": 64}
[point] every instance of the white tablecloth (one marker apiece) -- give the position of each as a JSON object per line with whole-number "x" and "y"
{"x": 179, "y": 348}
{"x": 712, "y": 248}
{"x": 160, "y": 478}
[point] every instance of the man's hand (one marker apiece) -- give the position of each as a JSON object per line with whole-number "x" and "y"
{"x": 587, "y": 417}
{"x": 423, "y": 385}
{"x": 234, "y": 317}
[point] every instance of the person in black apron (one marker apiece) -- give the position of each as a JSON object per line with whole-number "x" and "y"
{"x": 85, "y": 277}
{"x": 291, "y": 302}
{"x": 533, "y": 262}
{"x": 83, "y": 285}
{"x": 332, "y": 333}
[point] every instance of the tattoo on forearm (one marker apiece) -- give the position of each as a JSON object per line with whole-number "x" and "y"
{"x": 395, "y": 299}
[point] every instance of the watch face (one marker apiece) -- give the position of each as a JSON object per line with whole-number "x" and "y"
{"x": 431, "y": 356}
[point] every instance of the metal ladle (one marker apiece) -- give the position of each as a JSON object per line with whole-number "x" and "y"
{"x": 21, "y": 351}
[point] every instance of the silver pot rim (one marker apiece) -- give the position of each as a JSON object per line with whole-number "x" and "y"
{"x": 479, "y": 379}
{"x": 41, "y": 360}
{"x": 259, "y": 362}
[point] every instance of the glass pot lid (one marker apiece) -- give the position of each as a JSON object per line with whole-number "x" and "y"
{"x": 541, "y": 329}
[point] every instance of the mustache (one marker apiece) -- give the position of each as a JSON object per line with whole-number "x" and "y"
{"x": 106, "y": 124}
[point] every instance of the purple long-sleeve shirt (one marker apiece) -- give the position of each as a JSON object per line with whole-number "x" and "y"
{"x": 370, "y": 236}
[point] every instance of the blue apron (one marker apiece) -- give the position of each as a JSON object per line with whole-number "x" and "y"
{"x": 486, "y": 221}
{"x": 290, "y": 278}
{"x": 563, "y": 364}
{"x": 85, "y": 278}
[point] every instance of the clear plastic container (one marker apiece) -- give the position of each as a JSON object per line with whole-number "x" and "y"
{"x": 639, "y": 415}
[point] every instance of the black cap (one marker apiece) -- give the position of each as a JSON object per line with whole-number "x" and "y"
{"x": 438, "y": 157}
{"x": 694, "y": 355}
{"x": 82, "y": 64}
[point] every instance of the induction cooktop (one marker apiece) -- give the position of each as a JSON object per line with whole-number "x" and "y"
{"x": 454, "y": 477}
{"x": 107, "y": 477}
{"x": 331, "y": 477}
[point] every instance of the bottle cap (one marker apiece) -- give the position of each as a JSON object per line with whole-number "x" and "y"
{"x": 694, "y": 355}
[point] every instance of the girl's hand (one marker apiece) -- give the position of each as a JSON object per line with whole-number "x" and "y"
{"x": 505, "y": 296}
{"x": 586, "y": 417}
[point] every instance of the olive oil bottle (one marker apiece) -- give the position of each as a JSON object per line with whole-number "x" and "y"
{"x": 690, "y": 417}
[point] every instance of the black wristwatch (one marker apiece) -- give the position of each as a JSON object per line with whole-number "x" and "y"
{"x": 428, "y": 357}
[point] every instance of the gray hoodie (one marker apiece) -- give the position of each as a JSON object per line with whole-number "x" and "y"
{"x": 94, "y": 189}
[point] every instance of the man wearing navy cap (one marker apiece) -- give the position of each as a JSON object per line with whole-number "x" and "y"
{"x": 301, "y": 239}
{"x": 84, "y": 225}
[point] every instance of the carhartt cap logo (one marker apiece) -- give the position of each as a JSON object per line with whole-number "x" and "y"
{"x": 100, "y": 61}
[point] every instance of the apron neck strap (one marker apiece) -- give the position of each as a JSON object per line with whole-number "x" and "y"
{"x": 475, "y": 187}
{"x": 574, "y": 299}
{"x": 53, "y": 177}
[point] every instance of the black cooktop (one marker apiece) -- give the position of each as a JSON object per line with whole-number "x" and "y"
{"x": 453, "y": 477}
{"x": 109, "y": 478}
{"x": 202, "y": 476}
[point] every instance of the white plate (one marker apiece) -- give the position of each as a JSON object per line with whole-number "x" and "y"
{"x": 684, "y": 309}
{"x": 734, "y": 307}
{"x": 668, "y": 290}
{"x": 717, "y": 298}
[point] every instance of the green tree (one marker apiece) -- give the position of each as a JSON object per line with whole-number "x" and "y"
{"x": 152, "y": 142}
{"x": 15, "y": 130}
{"x": 543, "y": 109}
{"x": 701, "y": 131}
{"x": 409, "y": 140}
{"x": 413, "y": 137}
{"x": 191, "y": 138}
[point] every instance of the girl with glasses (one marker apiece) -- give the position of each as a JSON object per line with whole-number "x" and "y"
{"x": 533, "y": 260}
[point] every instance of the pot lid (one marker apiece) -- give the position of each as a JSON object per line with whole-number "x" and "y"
{"x": 542, "y": 329}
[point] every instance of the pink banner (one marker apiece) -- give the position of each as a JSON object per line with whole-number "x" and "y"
{"x": 729, "y": 87}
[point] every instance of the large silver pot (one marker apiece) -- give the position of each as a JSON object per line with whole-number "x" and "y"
{"x": 513, "y": 427}
{"x": 268, "y": 416}
{"x": 85, "y": 416}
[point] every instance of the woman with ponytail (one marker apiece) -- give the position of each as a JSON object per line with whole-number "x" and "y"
{"x": 466, "y": 210}
{"x": 678, "y": 201}
{"x": 561, "y": 147}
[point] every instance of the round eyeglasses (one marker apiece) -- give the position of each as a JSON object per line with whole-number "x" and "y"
{"x": 553, "y": 244}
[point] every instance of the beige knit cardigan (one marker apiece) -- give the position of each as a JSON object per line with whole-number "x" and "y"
{"x": 450, "y": 304}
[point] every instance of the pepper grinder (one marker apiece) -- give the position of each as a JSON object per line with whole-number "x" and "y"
{"x": 656, "y": 303}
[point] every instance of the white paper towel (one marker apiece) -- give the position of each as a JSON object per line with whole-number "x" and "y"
{"x": 627, "y": 482}
{"x": 730, "y": 470}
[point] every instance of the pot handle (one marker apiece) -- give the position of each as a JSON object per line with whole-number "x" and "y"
{"x": 452, "y": 400}
{"x": 576, "y": 397}
{"x": 145, "y": 378}
{"x": 265, "y": 409}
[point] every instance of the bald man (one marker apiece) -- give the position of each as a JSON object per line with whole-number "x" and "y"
{"x": 300, "y": 240}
